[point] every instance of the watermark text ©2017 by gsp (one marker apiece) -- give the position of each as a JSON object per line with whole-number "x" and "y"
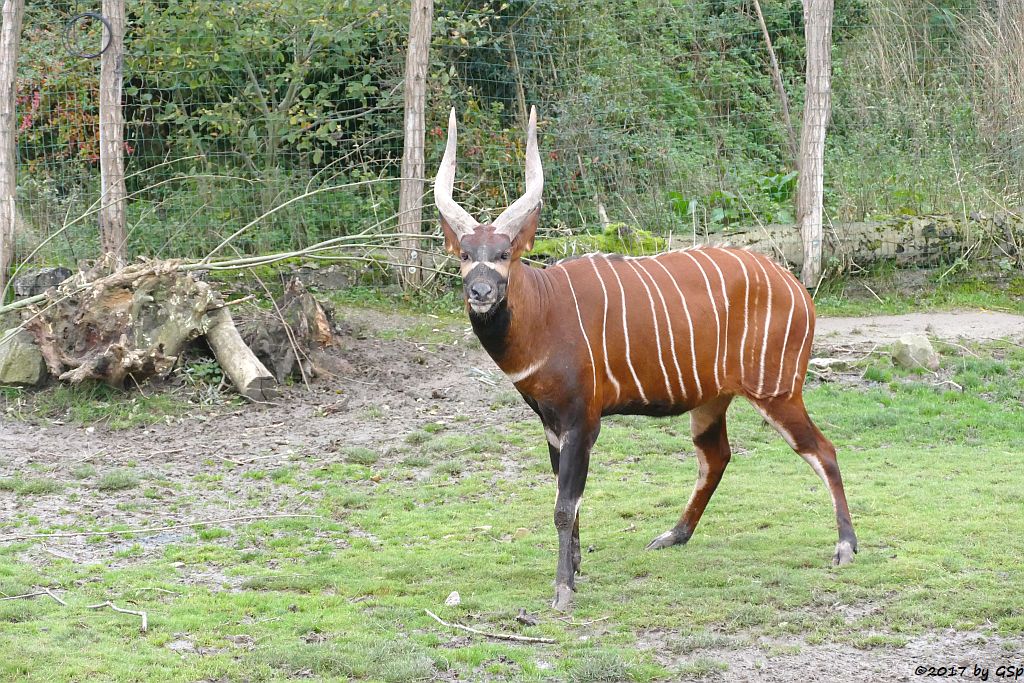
{"x": 1005, "y": 672}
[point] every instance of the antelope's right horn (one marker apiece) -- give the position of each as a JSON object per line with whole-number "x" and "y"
{"x": 457, "y": 218}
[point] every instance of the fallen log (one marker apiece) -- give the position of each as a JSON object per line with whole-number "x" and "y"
{"x": 239, "y": 363}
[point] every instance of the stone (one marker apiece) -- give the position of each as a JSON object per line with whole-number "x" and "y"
{"x": 21, "y": 361}
{"x": 37, "y": 280}
{"x": 453, "y": 600}
{"x": 913, "y": 350}
{"x": 829, "y": 363}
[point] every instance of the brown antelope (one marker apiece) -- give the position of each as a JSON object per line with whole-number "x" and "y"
{"x": 683, "y": 331}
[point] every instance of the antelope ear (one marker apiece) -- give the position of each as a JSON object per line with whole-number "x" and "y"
{"x": 451, "y": 240}
{"x": 523, "y": 241}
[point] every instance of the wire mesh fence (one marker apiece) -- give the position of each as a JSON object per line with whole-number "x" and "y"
{"x": 661, "y": 121}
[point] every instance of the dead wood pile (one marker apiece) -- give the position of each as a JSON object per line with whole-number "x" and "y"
{"x": 297, "y": 338}
{"x": 133, "y": 323}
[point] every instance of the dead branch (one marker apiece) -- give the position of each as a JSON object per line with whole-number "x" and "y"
{"x": 152, "y": 529}
{"x": 138, "y": 613}
{"x": 499, "y": 636}
{"x": 26, "y": 596}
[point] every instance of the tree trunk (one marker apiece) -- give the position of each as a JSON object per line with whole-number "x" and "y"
{"x": 410, "y": 199}
{"x": 779, "y": 86}
{"x": 113, "y": 235}
{"x": 817, "y": 106}
{"x": 10, "y": 36}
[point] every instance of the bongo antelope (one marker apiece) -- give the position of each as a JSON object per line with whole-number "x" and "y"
{"x": 683, "y": 331}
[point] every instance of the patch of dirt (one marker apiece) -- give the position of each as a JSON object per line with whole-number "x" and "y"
{"x": 884, "y": 329}
{"x": 776, "y": 660}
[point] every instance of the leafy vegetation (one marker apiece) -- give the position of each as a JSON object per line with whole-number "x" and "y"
{"x": 663, "y": 114}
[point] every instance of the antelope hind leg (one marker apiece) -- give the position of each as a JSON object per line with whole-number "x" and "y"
{"x": 707, "y": 424}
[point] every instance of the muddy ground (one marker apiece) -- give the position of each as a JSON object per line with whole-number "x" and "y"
{"x": 397, "y": 386}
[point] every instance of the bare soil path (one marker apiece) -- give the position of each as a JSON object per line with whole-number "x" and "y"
{"x": 969, "y": 325}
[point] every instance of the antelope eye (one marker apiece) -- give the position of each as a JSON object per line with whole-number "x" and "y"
{"x": 464, "y": 256}
{"x": 505, "y": 256}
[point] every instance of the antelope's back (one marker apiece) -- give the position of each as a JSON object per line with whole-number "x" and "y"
{"x": 669, "y": 332}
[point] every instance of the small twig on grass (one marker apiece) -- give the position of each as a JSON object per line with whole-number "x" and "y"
{"x": 26, "y": 596}
{"x": 164, "y": 452}
{"x": 138, "y": 613}
{"x": 572, "y": 622}
{"x": 23, "y": 596}
{"x": 499, "y": 636}
{"x": 151, "y": 529}
{"x": 61, "y": 602}
{"x": 231, "y": 460}
{"x": 873, "y": 293}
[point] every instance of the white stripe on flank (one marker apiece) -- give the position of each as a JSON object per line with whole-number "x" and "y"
{"x": 746, "y": 312}
{"x": 785, "y": 338}
{"x": 689, "y": 322}
{"x": 625, "y": 332}
{"x": 604, "y": 332}
{"x": 807, "y": 329}
{"x": 725, "y": 299}
{"x": 718, "y": 322}
{"x": 657, "y": 332}
{"x": 668, "y": 324}
{"x": 767, "y": 326}
{"x": 526, "y": 372}
{"x": 579, "y": 316}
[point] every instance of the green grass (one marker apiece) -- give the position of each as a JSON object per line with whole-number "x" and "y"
{"x": 93, "y": 404}
{"x": 932, "y": 474}
{"x": 118, "y": 480}
{"x": 32, "y": 486}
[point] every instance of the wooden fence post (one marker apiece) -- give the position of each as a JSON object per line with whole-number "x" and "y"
{"x": 817, "y": 107}
{"x": 410, "y": 197}
{"x": 113, "y": 199}
{"x": 10, "y": 37}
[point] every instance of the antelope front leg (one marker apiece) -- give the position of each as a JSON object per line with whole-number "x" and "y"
{"x": 555, "y": 454}
{"x": 573, "y": 463}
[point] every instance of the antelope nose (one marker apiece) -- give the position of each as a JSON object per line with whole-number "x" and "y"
{"x": 479, "y": 291}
